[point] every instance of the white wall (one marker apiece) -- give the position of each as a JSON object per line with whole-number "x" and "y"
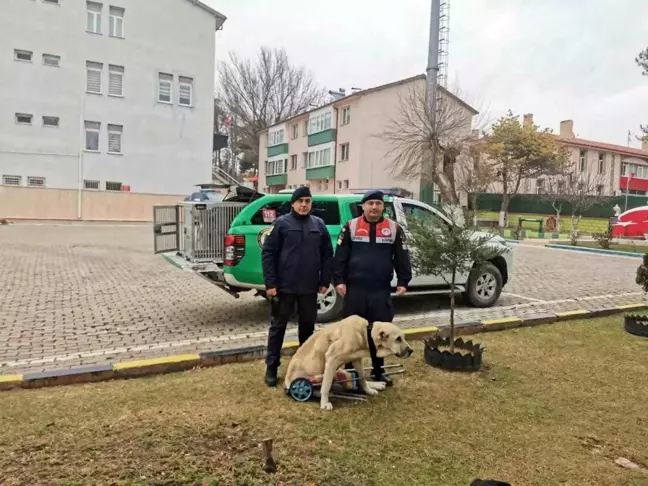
{"x": 166, "y": 148}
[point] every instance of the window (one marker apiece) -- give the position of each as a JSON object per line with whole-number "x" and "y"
{"x": 50, "y": 121}
{"x": 305, "y": 130}
{"x": 116, "y": 22}
{"x": 639, "y": 171}
{"x": 345, "y": 184}
{"x": 293, "y": 162}
{"x": 295, "y": 131}
{"x": 115, "y": 139}
{"x": 185, "y": 91}
{"x": 599, "y": 190}
{"x": 582, "y": 159}
{"x": 280, "y": 208}
{"x": 304, "y": 159}
{"x": 346, "y": 115}
{"x": 91, "y": 184}
{"x": 275, "y": 138}
{"x": 93, "y": 77}
{"x": 276, "y": 167}
{"x": 423, "y": 213}
{"x": 35, "y": 181}
{"x": 339, "y": 184}
{"x": 115, "y": 80}
{"x": 319, "y": 123}
{"x": 601, "y": 163}
{"x": 113, "y": 186}
{"x": 165, "y": 88}
{"x": 561, "y": 187}
{"x": 20, "y": 55}
{"x": 344, "y": 152}
{"x": 51, "y": 60}
{"x": 319, "y": 158}
{"x": 93, "y": 17}
{"x": 23, "y": 118}
{"x": 11, "y": 180}
{"x": 540, "y": 186}
{"x": 92, "y": 135}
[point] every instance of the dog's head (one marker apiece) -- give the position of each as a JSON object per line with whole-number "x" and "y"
{"x": 390, "y": 340}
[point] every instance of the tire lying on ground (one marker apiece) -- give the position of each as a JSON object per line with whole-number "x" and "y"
{"x": 484, "y": 286}
{"x": 637, "y": 325}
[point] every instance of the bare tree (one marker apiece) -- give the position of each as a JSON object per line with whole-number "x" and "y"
{"x": 642, "y": 62}
{"x": 257, "y": 95}
{"x": 579, "y": 192}
{"x": 415, "y": 135}
{"x": 474, "y": 174}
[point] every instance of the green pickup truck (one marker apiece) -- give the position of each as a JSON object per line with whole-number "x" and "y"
{"x": 222, "y": 241}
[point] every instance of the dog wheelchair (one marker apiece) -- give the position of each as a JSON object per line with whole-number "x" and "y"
{"x": 345, "y": 385}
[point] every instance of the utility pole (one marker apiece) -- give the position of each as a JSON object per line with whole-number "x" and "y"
{"x": 432, "y": 72}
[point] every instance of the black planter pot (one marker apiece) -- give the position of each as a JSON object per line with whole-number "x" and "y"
{"x": 637, "y": 325}
{"x": 446, "y": 360}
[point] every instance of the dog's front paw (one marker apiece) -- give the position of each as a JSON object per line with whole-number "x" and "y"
{"x": 328, "y": 406}
{"x": 371, "y": 392}
{"x": 377, "y": 385}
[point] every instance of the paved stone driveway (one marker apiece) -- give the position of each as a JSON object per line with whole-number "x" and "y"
{"x": 86, "y": 294}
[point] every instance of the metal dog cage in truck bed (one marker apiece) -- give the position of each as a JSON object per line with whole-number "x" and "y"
{"x": 191, "y": 234}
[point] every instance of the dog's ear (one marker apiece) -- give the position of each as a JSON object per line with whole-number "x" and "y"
{"x": 383, "y": 335}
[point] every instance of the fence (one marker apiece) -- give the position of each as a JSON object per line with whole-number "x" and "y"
{"x": 536, "y": 204}
{"x": 35, "y": 203}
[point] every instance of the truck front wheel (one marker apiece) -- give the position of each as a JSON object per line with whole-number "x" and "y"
{"x": 484, "y": 286}
{"x": 329, "y": 305}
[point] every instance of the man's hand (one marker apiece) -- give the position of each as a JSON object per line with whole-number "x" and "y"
{"x": 400, "y": 290}
{"x": 323, "y": 290}
{"x": 341, "y": 289}
{"x": 271, "y": 292}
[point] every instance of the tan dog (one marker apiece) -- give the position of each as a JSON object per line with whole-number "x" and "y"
{"x": 338, "y": 343}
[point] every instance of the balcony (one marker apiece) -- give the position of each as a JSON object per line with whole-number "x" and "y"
{"x": 322, "y": 137}
{"x": 316, "y": 173}
{"x": 282, "y": 148}
{"x": 277, "y": 180}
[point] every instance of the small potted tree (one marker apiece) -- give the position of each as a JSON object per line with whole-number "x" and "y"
{"x": 636, "y": 324}
{"x": 450, "y": 251}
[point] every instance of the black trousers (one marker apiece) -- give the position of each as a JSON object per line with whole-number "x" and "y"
{"x": 283, "y": 306}
{"x": 374, "y": 306}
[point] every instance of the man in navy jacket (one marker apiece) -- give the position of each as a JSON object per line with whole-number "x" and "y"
{"x": 297, "y": 257}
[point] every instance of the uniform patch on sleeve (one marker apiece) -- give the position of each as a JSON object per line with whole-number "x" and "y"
{"x": 341, "y": 235}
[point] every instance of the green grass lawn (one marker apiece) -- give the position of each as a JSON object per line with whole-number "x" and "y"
{"x": 587, "y": 225}
{"x": 555, "y": 404}
{"x": 629, "y": 247}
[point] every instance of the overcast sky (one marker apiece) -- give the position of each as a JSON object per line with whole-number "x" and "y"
{"x": 556, "y": 59}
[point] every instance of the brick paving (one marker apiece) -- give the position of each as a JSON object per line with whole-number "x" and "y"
{"x": 75, "y": 295}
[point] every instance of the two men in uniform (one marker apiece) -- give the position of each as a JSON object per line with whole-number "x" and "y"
{"x": 297, "y": 263}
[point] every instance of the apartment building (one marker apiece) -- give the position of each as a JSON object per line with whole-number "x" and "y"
{"x": 606, "y": 167}
{"x": 107, "y": 95}
{"x": 337, "y": 147}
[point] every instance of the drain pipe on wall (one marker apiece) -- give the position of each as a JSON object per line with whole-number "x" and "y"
{"x": 80, "y": 164}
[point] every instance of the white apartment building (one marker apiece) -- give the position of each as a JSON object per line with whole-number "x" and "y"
{"x": 338, "y": 148}
{"x": 108, "y": 94}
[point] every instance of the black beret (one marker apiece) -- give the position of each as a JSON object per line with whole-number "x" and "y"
{"x": 302, "y": 191}
{"x": 372, "y": 195}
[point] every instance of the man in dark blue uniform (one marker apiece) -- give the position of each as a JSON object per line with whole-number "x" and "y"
{"x": 369, "y": 248}
{"x": 297, "y": 256}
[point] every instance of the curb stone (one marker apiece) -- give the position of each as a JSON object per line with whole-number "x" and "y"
{"x": 185, "y": 362}
{"x": 601, "y": 251}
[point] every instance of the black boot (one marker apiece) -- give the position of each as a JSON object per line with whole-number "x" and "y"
{"x": 271, "y": 376}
